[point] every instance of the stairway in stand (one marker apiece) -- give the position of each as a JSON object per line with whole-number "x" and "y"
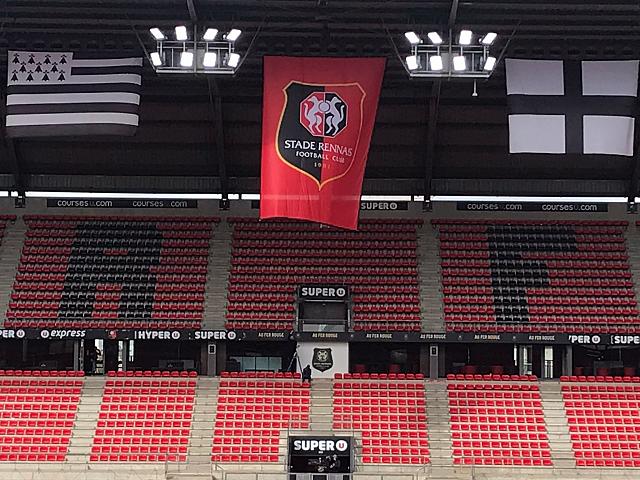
{"x": 557, "y": 425}
{"x": 86, "y": 422}
{"x": 439, "y": 423}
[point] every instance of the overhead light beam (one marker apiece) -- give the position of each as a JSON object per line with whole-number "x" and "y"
{"x": 181, "y": 33}
{"x": 157, "y": 33}
{"x": 412, "y": 37}
{"x": 465, "y": 37}
{"x": 412, "y": 62}
{"x": 435, "y": 38}
{"x": 233, "y": 35}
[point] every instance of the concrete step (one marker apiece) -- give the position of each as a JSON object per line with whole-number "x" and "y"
{"x": 204, "y": 412}
{"x": 84, "y": 427}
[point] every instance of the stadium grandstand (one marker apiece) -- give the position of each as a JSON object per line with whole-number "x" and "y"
{"x": 319, "y": 240}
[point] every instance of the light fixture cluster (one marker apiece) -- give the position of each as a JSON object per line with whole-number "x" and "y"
{"x": 462, "y": 55}
{"x": 195, "y": 49}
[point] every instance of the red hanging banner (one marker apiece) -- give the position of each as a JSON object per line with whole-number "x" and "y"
{"x": 317, "y": 119}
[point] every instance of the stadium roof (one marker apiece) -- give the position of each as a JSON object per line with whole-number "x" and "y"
{"x": 176, "y": 147}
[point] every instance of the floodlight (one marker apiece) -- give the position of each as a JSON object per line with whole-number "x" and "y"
{"x": 465, "y": 37}
{"x": 435, "y": 38}
{"x": 435, "y": 62}
{"x": 181, "y": 33}
{"x": 186, "y": 59}
{"x": 210, "y": 59}
{"x": 490, "y": 64}
{"x": 210, "y": 34}
{"x": 234, "y": 60}
{"x": 412, "y": 62}
{"x": 157, "y": 33}
{"x": 156, "y": 59}
{"x": 489, "y": 38}
{"x": 233, "y": 35}
{"x": 413, "y": 38}
{"x": 459, "y": 63}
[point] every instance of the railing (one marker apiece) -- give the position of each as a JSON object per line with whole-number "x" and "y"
{"x": 187, "y": 467}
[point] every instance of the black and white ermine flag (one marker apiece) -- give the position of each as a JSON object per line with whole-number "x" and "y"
{"x": 56, "y": 94}
{"x": 573, "y": 107}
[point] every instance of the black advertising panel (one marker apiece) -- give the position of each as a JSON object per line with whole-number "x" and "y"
{"x": 557, "y": 207}
{"x": 384, "y": 206}
{"x": 320, "y": 454}
{"x": 323, "y": 292}
{"x": 287, "y": 335}
{"x": 120, "y": 203}
{"x": 364, "y": 205}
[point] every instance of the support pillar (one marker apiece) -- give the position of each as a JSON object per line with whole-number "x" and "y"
{"x": 221, "y": 358}
{"x": 434, "y": 361}
{"x": 123, "y": 353}
{"x": 424, "y": 360}
{"x": 567, "y": 360}
{"x": 76, "y": 355}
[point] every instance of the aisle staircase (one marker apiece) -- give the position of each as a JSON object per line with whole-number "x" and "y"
{"x": 438, "y": 423}
{"x": 217, "y": 276}
{"x": 86, "y": 422}
{"x": 204, "y": 413}
{"x": 557, "y": 425}
{"x": 431, "y": 305}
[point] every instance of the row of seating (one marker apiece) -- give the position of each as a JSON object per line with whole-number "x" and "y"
{"x": 511, "y": 272}
{"x": 153, "y": 420}
{"x": 474, "y": 408}
{"x": 37, "y": 413}
{"x": 384, "y": 253}
{"x": 253, "y": 409}
{"x": 121, "y": 254}
{"x": 603, "y": 417}
{"x": 389, "y": 410}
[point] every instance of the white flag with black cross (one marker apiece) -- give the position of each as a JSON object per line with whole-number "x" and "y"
{"x": 572, "y": 107}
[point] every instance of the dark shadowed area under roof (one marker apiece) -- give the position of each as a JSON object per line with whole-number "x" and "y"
{"x": 175, "y": 148}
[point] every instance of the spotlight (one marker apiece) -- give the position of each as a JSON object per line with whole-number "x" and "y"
{"x": 186, "y": 59}
{"x": 181, "y": 33}
{"x": 459, "y": 63}
{"x": 412, "y": 62}
{"x": 155, "y": 59}
{"x": 234, "y": 60}
{"x": 413, "y": 38}
{"x": 489, "y": 38}
{"x": 210, "y": 59}
{"x": 210, "y": 34}
{"x": 490, "y": 64}
{"x": 465, "y": 37}
{"x": 157, "y": 33}
{"x": 435, "y": 62}
{"x": 435, "y": 38}
{"x": 233, "y": 35}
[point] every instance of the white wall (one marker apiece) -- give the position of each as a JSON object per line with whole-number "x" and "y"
{"x": 339, "y": 354}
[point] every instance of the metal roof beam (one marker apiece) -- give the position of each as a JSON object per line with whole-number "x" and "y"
{"x": 215, "y": 101}
{"x": 453, "y": 13}
{"x": 434, "y": 105}
{"x": 193, "y": 13}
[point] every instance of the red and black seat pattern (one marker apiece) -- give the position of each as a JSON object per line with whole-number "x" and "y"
{"x": 536, "y": 276}
{"x": 111, "y": 272}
